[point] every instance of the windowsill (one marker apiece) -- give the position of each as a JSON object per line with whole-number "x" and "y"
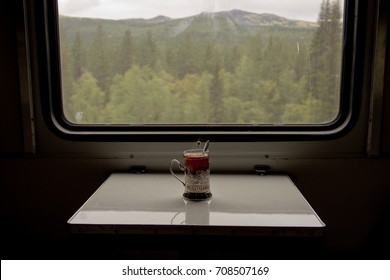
{"x": 241, "y": 205}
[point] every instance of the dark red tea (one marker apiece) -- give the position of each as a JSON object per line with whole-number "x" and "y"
{"x": 195, "y": 161}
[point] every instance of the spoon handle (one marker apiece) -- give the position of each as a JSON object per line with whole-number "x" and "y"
{"x": 206, "y": 146}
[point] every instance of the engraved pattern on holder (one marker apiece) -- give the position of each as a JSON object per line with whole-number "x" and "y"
{"x": 198, "y": 183}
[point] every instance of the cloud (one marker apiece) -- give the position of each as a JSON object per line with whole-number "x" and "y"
{"x": 76, "y": 6}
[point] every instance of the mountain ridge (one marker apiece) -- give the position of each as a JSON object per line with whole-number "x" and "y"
{"x": 224, "y": 27}
{"x": 240, "y": 16}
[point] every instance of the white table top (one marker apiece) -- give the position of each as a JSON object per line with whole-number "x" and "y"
{"x": 153, "y": 203}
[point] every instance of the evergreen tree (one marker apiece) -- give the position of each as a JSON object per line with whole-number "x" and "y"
{"x": 256, "y": 56}
{"x": 244, "y": 81}
{"x": 210, "y": 58}
{"x": 270, "y": 102}
{"x": 67, "y": 77}
{"x": 231, "y": 59}
{"x": 216, "y": 95}
{"x": 147, "y": 51}
{"x": 125, "y": 53}
{"x": 335, "y": 56}
{"x": 78, "y": 56}
{"x": 99, "y": 59}
{"x": 187, "y": 59}
{"x": 325, "y": 61}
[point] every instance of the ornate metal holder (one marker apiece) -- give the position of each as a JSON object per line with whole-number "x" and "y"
{"x": 197, "y": 174}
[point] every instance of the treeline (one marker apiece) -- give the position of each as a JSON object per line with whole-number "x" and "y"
{"x": 192, "y": 79}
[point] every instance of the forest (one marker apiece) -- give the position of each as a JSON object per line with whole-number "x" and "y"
{"x": 231, "y": 67}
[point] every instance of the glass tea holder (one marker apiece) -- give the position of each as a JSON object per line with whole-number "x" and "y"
{"x": 196, "y": 170}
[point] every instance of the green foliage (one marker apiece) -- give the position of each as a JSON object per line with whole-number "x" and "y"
{"x": 87, "y": 102}
{"x": 199, "y": 70}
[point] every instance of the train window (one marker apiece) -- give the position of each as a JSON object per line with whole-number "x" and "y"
{"x": 217, "y": 68}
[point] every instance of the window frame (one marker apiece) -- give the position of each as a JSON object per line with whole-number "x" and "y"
{"x": 55, "y": 119}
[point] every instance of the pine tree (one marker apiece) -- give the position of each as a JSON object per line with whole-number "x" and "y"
{"x": 125, "y": 53}
{"x": 325, "y": 61}
{"x": 67, "y": 77}
{"x": 187, "y": 59}
{"x": 231, "y": 59}
{"x": 78, "y": 56}
{"x": 147, "y": 51}
{"x": 99, "y": 59}
{"x": 216, "y": 95}
{"x": 335, "y": 55}
{"x": 243, "y": 80}
{"x": 255, "y": 54}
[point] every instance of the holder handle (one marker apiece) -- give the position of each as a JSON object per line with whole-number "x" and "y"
{"x": 181, "y": 168}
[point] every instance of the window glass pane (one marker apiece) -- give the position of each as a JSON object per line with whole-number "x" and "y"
{"x": 201, "y": 61}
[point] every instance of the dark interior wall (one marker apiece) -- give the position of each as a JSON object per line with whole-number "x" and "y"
{"x": 38, "y": 195}
{"x": 10, "y": 113}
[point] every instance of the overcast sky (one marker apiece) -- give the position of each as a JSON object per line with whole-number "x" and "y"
{"x": 123, "y": 9}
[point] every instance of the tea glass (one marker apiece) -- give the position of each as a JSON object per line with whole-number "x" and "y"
{"x": 196, "y": 174}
